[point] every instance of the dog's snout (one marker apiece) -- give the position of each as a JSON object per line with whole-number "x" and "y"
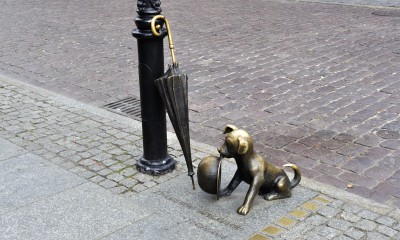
{"x": 223, "y": 151}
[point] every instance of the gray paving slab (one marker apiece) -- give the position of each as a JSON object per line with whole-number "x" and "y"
{"x": 164, "y": 225}
{"x": 197, "y": 214}
{"x": 84, "y": 212}
{"x": 28, "y": 178}
{"x": 8, "y": 150}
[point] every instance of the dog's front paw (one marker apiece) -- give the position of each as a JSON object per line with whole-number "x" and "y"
{"x": 243, "y": 210}
{"x": 225, "y": 192}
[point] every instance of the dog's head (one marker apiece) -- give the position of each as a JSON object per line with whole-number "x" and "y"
{"x": 237, "y": 142}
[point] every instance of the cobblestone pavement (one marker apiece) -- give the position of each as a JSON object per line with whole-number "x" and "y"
{"x": 102, "y": 147}
{"x": 325, "y": 218}
{"x": 315, "y": 84}
{"x": 93, "y": 147}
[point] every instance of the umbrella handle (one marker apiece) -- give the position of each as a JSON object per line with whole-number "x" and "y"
{"x": 154, "y": 29}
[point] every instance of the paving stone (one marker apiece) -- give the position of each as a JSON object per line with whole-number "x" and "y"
{"x": 369, "y": 140}
{"x": 387, "y": 221}
{"x": 116, "y": 151}
{"x": 389, "y": 187}
{"x": 86, "y": 174}
{"x": 296, "y": 232}
{"x": 339, "y": 224}
{"x": 316, "y": 220}
{"x": 117, "y": 167}
{"x": 391, "y": 144}
{"x": 329, "y": 212}
{"x": 142, "y": 177}
{"x": 387, "y": 231}
{"x": 351, "y": 208}
{"x": 258, "y": 237}
{"x": 397, "y": 226}
{"x": 149, "y": 184}
{"x": 67, "y": 165}
{"x": 272, "y": 230}
{"x": 327, "y": 232}
{"x": 108, "y": 183}
{"x": 96, "y": 178}
{"x": 286, "y": 222}
{"x": 129, "y": 182}
{"x": 376, "y": 235}
{"x": 57, "y": 160}
{"x": 107, "y": 146}
{"x": 96, "y": 167}
{"x": 313, "y": 236}
{"x": 124, "y": 157}
{"x": 102, "y": 157}
{"x": 130, "y": 162}
{"x": 342, "y": 237}
{"x": 115, "y": 177}
{"x": 354, "y": 233}
{"x": 368, "y": 214}
{"x": 366, "y": 225}
{"x": 118, "y": 189}
{"x": 358, "y": 164}
{"x": 108, "y": 162}
{"x": 74, "y": 158}
{"x": 105, "y": 172}
{"x": 161, "y": 179}
{"x": 398, "y": 236}
{"x": 139, "y": 188}
{"x": 350, "y": 217}
{"x": 127, "y": 172}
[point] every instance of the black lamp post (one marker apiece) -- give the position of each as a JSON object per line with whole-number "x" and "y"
{"x": 155, "y": 159}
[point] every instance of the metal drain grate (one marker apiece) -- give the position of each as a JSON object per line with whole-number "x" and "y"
{"x": 386, "y": 13}
{"x": 129, "y": 107}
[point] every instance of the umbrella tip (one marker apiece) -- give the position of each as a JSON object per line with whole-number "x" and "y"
{"x": 194, "y": 187}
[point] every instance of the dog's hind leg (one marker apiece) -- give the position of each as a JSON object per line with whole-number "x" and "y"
{"x": 281, "y": 190}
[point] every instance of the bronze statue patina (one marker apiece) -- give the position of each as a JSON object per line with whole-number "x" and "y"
{"x": 264, "y": 178}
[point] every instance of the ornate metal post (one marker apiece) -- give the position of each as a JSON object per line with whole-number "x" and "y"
{"x": 155, "y": 159}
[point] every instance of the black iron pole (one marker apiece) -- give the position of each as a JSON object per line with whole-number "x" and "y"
{"x": 155, "y": 159}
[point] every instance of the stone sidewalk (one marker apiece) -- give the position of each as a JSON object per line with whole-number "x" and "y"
{"x": 67, "y": 172}
{"x": 315, "y": 84}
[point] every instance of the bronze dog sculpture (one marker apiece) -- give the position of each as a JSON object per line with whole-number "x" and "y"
{"x": 264, "y": 178}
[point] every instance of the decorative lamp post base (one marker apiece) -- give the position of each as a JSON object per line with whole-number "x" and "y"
{"x": 158, "y": 167}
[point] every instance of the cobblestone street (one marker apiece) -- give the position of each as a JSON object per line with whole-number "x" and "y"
{"x": 315, "y": 84}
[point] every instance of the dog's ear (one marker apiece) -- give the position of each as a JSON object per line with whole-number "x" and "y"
{"x": 229, "y": 128}
{"x": 243, "y": 145}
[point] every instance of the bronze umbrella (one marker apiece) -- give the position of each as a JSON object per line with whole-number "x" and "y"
{"x": 173, "y": 88}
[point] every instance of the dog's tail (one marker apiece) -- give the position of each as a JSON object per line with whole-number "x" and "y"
{"x": 297, "y": 175}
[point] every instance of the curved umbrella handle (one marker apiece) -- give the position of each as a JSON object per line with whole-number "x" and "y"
{"x": 155, "y": 28}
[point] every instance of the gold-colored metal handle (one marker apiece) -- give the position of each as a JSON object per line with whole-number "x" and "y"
{"x": 155, "y": 28}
